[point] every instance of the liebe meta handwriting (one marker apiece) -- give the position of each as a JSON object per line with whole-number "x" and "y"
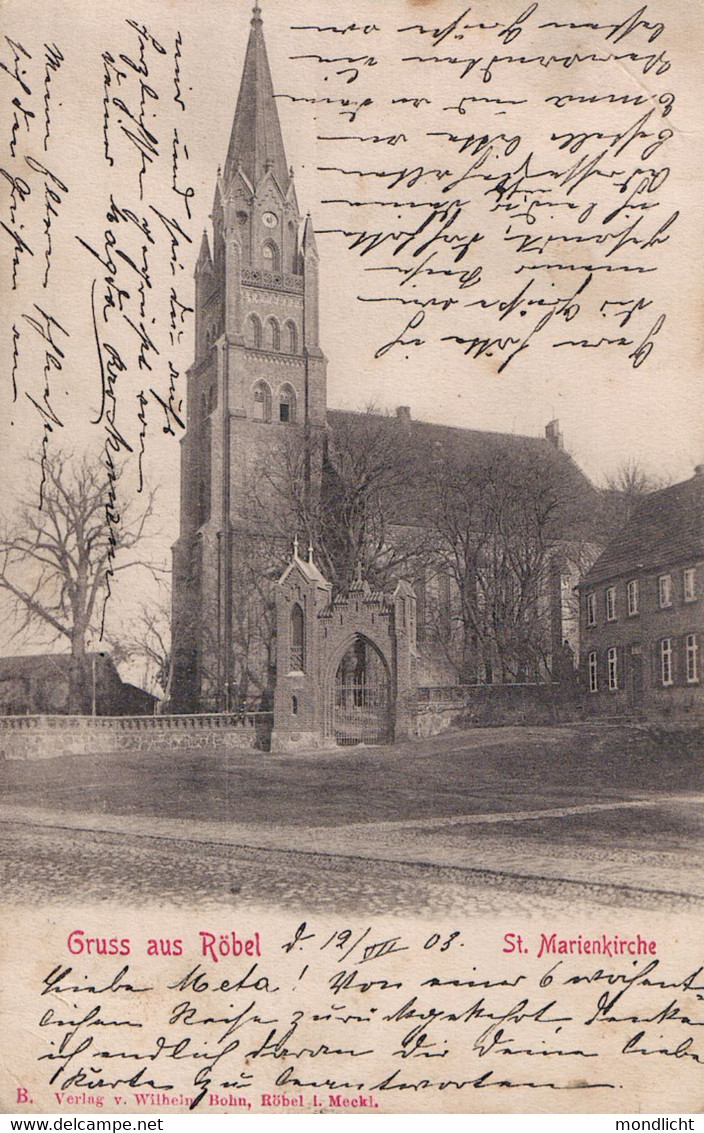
{"x": 214, "y": 946}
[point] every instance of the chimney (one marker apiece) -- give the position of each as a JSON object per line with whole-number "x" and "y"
{"x": 553, "y": 434}
{"x": 699, "y": 470}
{"x": 403, "y": 414}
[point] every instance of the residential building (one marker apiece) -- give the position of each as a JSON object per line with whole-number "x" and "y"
{"x": 642, "y": 608}
{"x": 39, "y": 685}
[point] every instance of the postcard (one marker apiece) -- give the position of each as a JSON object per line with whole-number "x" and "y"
{"x": 351, "y": 557}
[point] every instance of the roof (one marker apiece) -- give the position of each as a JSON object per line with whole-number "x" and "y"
{"x": 473, "y": 447}
{"x": 45, "y": 665}
{"x": 665, "y": 529}
{"x": 256, "y": 141}
{"x": 307, "y": 568}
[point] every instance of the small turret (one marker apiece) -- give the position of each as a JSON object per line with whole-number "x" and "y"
{"x": 204, "y": 263}
{"x": 309, "y": 245}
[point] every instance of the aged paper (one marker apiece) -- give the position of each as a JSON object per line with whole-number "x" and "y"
{"x": 506, "y": 208}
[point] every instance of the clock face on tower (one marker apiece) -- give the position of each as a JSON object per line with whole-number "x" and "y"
{"x": 270, "y": 220}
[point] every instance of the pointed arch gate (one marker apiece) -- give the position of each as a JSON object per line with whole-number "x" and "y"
{"x": 344, "y": 663}
{"x": 358, "y": 701}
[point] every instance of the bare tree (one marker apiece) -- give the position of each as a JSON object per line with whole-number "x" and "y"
{"x": 341, "y": 492}
{"x": 498, "y": 522}
{"x": 146, "y": 642}
{"x": 625, "y": 489}
{"x": 62, "y": 551}
{"x": 364, "y": 514}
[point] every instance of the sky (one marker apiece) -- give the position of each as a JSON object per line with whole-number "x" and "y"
{"x": 609, "y": 411}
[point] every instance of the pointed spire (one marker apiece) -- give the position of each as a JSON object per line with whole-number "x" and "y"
{"x": 217, "y": 195}
{"x": 204, "y": 261}
{"x": 256, "y": 142}
{"x": 310, "y": 554}
{"x": 295, "y": 546}
{"x": 309, "y": 243}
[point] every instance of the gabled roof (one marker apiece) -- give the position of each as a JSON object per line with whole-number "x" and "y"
{"x": 667, "y": 528}
{"x": 473, "y": 447}
{"x": 47, "y": 665}
{"x": 256, "y": 141}
{"x": 307, "y": 568}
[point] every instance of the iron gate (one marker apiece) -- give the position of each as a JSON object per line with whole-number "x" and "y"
{"x": 358, "y": 711}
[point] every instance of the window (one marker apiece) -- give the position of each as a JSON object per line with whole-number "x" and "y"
{"x": 253, "y": 332}
{"x": 262, "y": 402}
{"x": 591, "y": 609}
{"x": 665, "y": 590}
{"x": 690, "y": 584}
{"x": 297, "y": 639}
{"x": 610, "y": 597}
{"x": 273, "y": 335}
{"x": 692, "y": 659}
{"x": 632, "y": 595}
{"x": 612, "y": 664}
{"x": 593, "y": 679}
{"x": 291, "y": 337}
{"x": 666, "y": 661}
{"x": 287, "y": 405}
{"x": 270, "y": 256}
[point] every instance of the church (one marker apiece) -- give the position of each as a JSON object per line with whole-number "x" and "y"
{"x": 420, "y": 527}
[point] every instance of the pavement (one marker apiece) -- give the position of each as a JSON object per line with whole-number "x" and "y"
{"x": 590, "y": 814}
{"x": 506, "y": 850}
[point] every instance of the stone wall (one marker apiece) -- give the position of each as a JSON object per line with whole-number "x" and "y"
{"x": 48, "y": 737}
{"x": 443, "y": 708}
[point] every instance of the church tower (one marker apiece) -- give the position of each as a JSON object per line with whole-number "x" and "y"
{"x": 258, "y": 370}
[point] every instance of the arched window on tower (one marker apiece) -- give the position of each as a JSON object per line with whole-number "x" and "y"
{"x": 291, "y": 337}
{"x": 273, "y": 334}
{"x": 253, "y": 332}
{"x": 298, "y": 643}
{"x": 261, "y": 397}
{"x": 287, "y": 405}
{"x": 270, "y": 256}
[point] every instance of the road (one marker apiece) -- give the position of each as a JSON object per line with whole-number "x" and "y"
{"x": 541, "y": 818}
{"x": 466, "y": 867}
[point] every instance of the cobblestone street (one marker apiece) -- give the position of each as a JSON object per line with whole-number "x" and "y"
{"x": 531, "y": 819}
{"x": 46, "y": 865}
